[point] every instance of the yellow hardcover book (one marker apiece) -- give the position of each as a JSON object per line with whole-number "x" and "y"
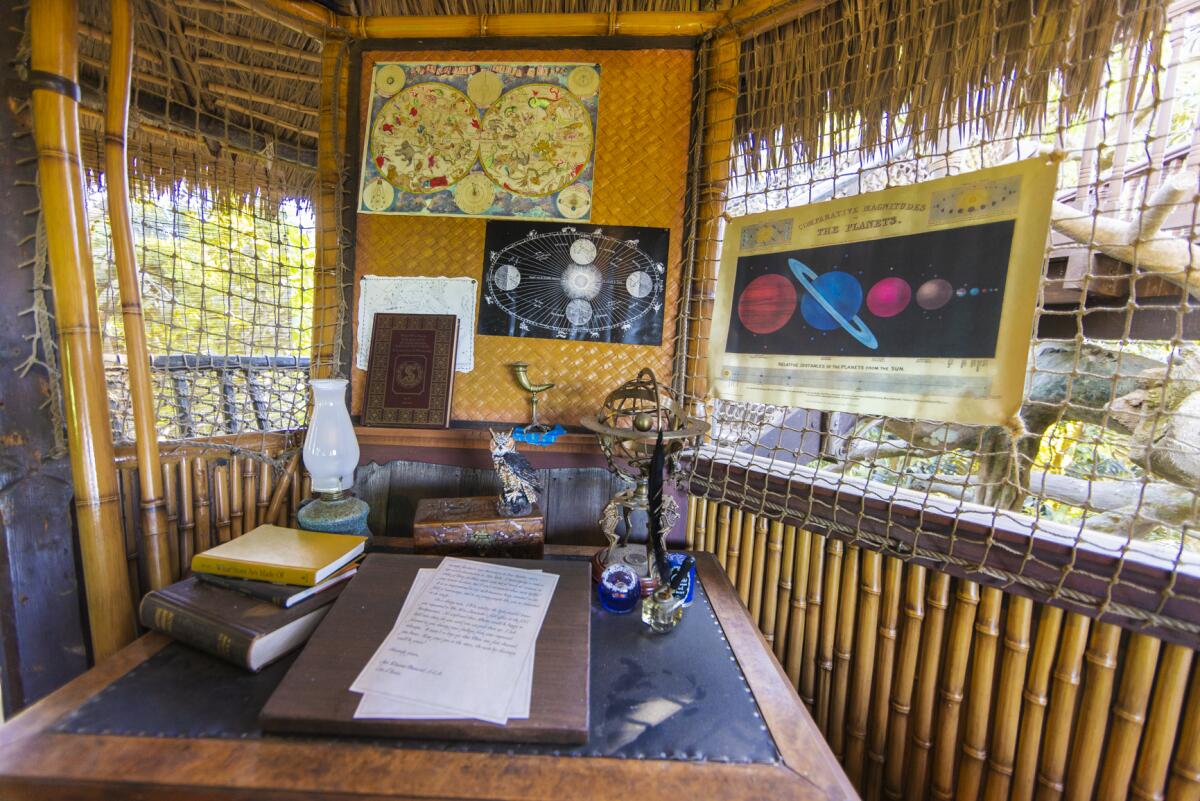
{"x": 281, "y": 555}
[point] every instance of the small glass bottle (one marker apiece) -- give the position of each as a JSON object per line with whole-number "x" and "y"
{"x": 662, "y": 610}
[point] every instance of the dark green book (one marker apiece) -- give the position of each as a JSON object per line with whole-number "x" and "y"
{"x": 282, "y": 595}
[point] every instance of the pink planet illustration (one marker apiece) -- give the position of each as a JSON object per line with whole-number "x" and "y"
{"x": 889, "y": 297}
{"x": 934, "y": 294}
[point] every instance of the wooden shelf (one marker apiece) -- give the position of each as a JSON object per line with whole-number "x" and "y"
{"x": 466, "y": 438}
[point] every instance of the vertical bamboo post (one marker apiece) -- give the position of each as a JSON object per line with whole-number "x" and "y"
{"x": 783, "y": 596}
{"x": 734, "y": 548}
{"x": 903, "y": 684}
{"x": 294, "y": 506}
{"x": 179, "y": 554}
{"x": 155, "y": 561}
{"x": 1184, "y": 784}
{"x": 187, "y": 511}
{"x": 249, "y": 493}
{"x": 1008, "y": 697}
{"x": 865, "y": 656}
{"x": 1033, "y": 710}
{"x": 937, "y": 601}
{"x": 53, "y": 76}
{"x": 221, "y": 502}
{"x": 979, "y": 696}
{"x": 797, "y": 615}
{"x": 812, "y": 621}
{"x": 712, "y": 512}
{"x": 264, "y": 493}
{"x": 1093, "y": 712}
{"x": 203, "y": 507}
{"x": 1061, "y": 711}
{"x": 691, "y": 527}
{"x": 1128, "y": 717}
{"x": 235, "y": 497}
{"x": 275, "y": 511}
{"x": 746, "y": 548}
{"x": 759, "y": 569}
{"x": 723, "y": 525}
{"x": 881, "y": 692}
{"x": 720, "y": 109}
{"x": 843, "y": 647}
{"x": 1151, "y": 774}
{"x": 770, "y": 582}
{"x": 829, "y": 614}
{"x": 954, "y": 675}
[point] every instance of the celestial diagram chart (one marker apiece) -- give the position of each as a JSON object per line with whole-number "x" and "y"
{"x": 577, "y": 282}
{"x": 933, "y": 294}
{"x": 496, "y": 140}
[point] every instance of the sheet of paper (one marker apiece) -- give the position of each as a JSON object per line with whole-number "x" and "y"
{"x": 464, "y": 641}
{"x": 373, "y": 706}
{"x": 417, "y": 295}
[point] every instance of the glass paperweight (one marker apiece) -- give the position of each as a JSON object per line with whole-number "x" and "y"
{"x": 619, "y": 589}
{"x": 662, "y": 610}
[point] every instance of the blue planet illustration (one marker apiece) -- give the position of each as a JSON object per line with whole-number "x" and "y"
{"x": 832, "y": 300}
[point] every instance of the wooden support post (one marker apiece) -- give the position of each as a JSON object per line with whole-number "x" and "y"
{"x": 155, "y": 550}
{"x": 54, "y": 73}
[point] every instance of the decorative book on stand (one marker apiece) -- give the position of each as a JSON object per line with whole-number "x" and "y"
{"x": 246, "y": 631}
{"x": 410, "y": 375}
{"x": 281, "y": 555}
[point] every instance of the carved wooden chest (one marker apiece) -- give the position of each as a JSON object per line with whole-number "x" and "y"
{"x": 473, "y": 527}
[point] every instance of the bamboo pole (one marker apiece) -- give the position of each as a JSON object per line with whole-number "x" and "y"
{"x": 254, "y": 69}
{"x": 221, "y": 502}
{"x": 789, "y": 646}
{"x": 865, "y": 656}
{"x": 1129, "y": 717}
{"x": 712, "y": 511}
{"x": 747, "y": 568}
{"x": 274, "y": 102}
{"x": 294, "y": 506}
{"x": 235, "y": 498}
{"x": 1008, "y": 697}
{"x": 187, "y": 512}
{"x": 54, "y": 49}
{"x": 903, "y": 684}
{"x": 1033, "y": 711}
{"x": 264, "y": 493}
{"x": 275, "y": 511}
{"x": 833, "y": 572}
{"x": 270, "y": 119}
{"x": 258, "y": 45}
{"x": 1061, "y": 711}
{"x": 203, "y": 510}
{"x": 880, "y": 701}
{"x": 758, "y": 572}
{"x": 979, "y": 697}
{"x": 1093, "y": 712}
{"x": 954, "y": 675}
{"x": 463, "y": 26}
{"x": 768, "y": 595}
{"x": 734, "y": 549}
{"x": 720, "y": 110}
{"x": 1151, "y": 775}
{"x": 249, "y": 493}
{"x": 723, "y": 526}
{"x": 155, "y": 559}
{"x": 843, "y": 648}
{"x": 180, "y": 552}
{"x": 690, "y": 527}
{"x": 812, "y": 621}
{"x": 1184, "y": 783}
{"x": 937, "y": 602}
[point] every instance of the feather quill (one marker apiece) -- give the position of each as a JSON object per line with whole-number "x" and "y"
{"x": 658, "y": 548}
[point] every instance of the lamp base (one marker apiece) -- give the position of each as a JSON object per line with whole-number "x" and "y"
{"x": 335, "y": 514}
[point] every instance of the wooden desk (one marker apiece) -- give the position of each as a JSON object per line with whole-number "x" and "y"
{"x": 37, "y": 763}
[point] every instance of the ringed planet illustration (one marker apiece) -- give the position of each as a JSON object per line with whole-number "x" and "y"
{"x": 832, "y": 300}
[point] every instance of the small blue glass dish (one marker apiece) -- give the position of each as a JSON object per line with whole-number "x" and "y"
{"x": 540, "y": 437}
{"x": 619, "y": 590}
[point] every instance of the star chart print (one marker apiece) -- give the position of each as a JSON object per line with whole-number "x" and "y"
{"x": 589, "y": 283}
{"x": 481, "y": 140}
{"x": 937, "y": 294}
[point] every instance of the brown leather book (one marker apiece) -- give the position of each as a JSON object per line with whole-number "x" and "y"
{"x": 246, "y": 631}
{"x": 410, "y": 373}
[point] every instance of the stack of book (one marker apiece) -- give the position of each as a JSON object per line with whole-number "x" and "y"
{"x": 255, "y": 598}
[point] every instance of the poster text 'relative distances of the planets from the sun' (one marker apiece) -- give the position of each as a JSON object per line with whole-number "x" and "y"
{"x": 916, "y": 301}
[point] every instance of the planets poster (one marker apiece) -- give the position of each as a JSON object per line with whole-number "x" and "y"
{"x": 497, "y": 140}
{"x": 912, "y": 302}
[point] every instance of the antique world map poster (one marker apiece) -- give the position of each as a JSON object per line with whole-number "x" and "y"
{"x": 498, "y": 140}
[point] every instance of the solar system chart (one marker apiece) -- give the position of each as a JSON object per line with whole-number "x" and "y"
{"x": 937, "y": 294}
{"x": 577, "y": 282}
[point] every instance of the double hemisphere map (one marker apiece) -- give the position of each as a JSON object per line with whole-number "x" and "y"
{"x": 497, "y": 140}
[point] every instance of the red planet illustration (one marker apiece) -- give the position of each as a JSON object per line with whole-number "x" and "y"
{"x": 767, "y": 303}
{"x": 889, "y": 297}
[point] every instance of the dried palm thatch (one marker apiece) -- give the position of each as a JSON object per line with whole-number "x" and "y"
{"x": 860, "y": 74}
{"x": 407, "y": 7}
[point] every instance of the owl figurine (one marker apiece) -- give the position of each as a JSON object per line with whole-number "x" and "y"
{"x": 519, "y": 483}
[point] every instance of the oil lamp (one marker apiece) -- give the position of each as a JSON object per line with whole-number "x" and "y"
{"x": 330, "y": 456}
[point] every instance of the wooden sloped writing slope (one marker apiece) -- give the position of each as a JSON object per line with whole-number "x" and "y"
{"x": 314, "y": 696}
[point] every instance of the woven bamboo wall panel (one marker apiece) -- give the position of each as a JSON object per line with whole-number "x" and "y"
{"x": 640, "y": 179}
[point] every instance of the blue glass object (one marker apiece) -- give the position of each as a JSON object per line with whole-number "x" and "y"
{"x": 538, "y": 437}
{"x": 619, "y": 589}
{"x": 685, "y": 590}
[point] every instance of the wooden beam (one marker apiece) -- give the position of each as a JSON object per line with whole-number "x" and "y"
{"x": 54, "y": 49}
{"x": 242, "y": 94}
{"x": 624, "y": 23}
{"x": 257, "y": 45}
{"x": 226, "y": 64}
{"x": 267, "y": 118}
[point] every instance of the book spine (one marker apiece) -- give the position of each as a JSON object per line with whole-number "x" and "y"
{"x": 257, "y": 572}
{"x": 195, "y": 630}
{"x": 236, "y": 585}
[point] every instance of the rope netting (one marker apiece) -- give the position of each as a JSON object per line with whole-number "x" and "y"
{"x": 1092, "y": 498}
{"x": 222, "y": 159}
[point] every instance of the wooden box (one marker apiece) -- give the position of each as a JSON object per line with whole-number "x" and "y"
{"x": 473, "y": 527}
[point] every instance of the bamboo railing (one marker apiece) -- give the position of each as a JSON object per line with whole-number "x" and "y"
{"x": 929, "y": 686}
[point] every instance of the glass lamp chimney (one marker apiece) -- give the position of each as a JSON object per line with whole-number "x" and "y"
{"x": 330, "y": 447}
